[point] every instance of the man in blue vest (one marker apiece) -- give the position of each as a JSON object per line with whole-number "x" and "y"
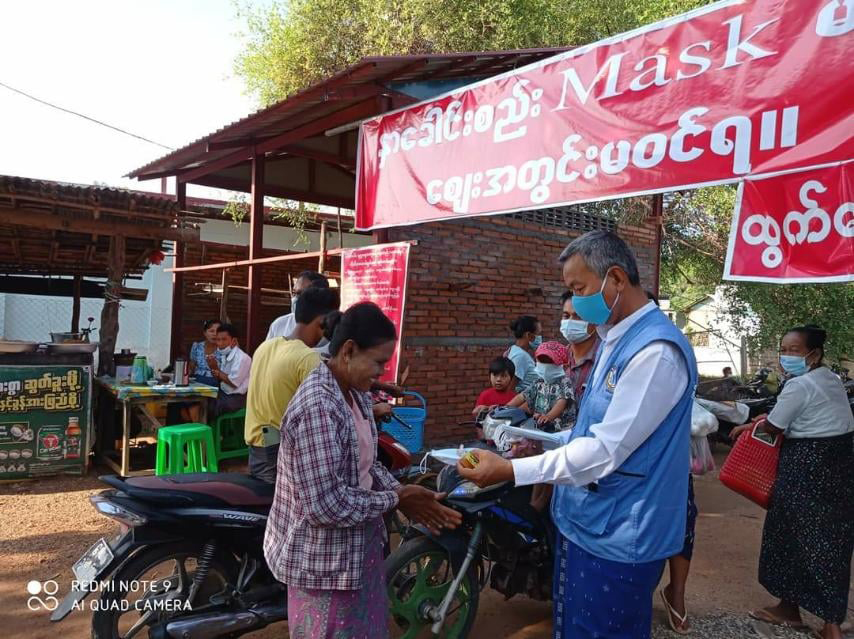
{"x": 621, "y": 479}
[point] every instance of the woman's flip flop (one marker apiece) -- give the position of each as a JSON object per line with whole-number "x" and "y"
{"x": 671, "y": 613}
{"x": 762, "y": 614}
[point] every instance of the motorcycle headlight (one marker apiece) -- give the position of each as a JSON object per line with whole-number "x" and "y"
{"x": 465, "y": 490}
{"x": 114, "y": 511}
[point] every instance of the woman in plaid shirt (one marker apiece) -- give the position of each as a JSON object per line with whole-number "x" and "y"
{"x": 325, "y": 533}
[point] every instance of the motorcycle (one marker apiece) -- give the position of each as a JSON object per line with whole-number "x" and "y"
{"x": 434, "y": 582}
{"x": 188, "y": 561}
{"x": 187, "y": 564}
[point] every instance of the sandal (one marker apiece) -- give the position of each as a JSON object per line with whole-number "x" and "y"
{"x": 671, "y": 613}
{"x": 763, "y": 614}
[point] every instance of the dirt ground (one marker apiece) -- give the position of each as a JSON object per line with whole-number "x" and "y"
{"x": 46, "y": 525}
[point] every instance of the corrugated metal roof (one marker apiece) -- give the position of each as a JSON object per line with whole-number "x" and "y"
{"x": 365, "y": 81}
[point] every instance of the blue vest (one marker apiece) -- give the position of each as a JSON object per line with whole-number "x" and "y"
{"x": 637, "y": 513}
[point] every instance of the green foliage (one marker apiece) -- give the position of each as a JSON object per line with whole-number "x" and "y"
{"x": 292, "y": 44}
{"x": 696, "y": 233}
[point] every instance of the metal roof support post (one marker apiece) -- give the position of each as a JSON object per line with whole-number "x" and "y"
{"x": 175, "y": 340}
{"x": 658, "y": 218}
{"x": 321, "y": 266}
{"x": 256, "y": 246}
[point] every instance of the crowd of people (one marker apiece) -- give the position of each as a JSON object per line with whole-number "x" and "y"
{"x": 619, "y": 392}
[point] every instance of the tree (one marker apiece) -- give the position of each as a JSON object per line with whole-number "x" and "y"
{"x": 696, "y": 233}
{"x": 292, "y": 44}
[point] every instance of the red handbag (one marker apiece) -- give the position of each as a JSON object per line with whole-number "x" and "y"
{"x": 751, "y": 467}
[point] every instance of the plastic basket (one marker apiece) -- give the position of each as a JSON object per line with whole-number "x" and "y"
{"x": 751, "y": 467}
{"x": 411, "y": 438}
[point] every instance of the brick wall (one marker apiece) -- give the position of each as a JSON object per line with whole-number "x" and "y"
{"x": 468, "y": 280}
{"x": 199, "y": 307}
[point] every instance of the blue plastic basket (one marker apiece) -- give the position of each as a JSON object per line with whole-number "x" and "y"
{"x": 411, "y": 438}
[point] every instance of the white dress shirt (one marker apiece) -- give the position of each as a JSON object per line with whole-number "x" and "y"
{"x": 236, "y": 366}
{"x": 650, "y": 386}
{"x": 813, "y": 405}
{"x": 283, "y": 326}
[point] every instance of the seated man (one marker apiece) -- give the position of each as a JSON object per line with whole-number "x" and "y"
{"x": 233, "y": 374}
{"x": 279, "y": 367}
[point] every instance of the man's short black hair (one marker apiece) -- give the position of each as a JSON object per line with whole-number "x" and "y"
{"x": 316, "y": 279}
{"x": 502, "y": 365}
{"x": 228, "y": 328}
{"x": 316, "y": 302}
{"x": 566, "y": 295}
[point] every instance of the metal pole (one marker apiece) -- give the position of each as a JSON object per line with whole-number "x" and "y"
{"x": 256, "y": 246}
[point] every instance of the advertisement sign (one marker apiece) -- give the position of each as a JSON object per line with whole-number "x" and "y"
{"x": 378, "y": 274}
{"x": 797, "y": 227}
{"x": 44, "y": 417}
{"x": 726, "y": 91}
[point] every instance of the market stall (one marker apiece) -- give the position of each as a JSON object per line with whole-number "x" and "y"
{"x": 89, "y": 239}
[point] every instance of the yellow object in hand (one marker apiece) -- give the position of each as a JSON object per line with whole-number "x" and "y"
{"x": 469, "y": 460}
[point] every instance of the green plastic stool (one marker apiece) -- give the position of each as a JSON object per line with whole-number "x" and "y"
{"x": 229, "y": 438}
{"x": 172, "y": 441}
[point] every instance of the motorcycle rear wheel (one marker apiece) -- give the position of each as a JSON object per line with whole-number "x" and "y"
{"x": 419, "y": 575}
{"x": 142, "y": 570}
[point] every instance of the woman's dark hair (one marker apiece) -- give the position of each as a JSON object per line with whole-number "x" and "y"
{"x": 228, "y": 328}
{"x": 364, "y": 323}
{"x": 813, "y": 335}
{"x": 502, "y": 365}
{"x": 315, "y": 279}
{"x": 314, "y": 302}
{"x": 524, "y": 324}
{"x": 210, "y": 322}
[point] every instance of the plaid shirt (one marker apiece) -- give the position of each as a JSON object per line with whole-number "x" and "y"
{"x": 315, "y": 537}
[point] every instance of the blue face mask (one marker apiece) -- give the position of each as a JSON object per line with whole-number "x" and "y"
{"x": 794, "y": 364}
{"x": 594, "y": 308}
{"x": 535, "y": 343}
{"x": 575, "y": 331}
{"x": 551, "y": 373}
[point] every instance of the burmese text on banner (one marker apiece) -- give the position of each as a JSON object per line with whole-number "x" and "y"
{"x": 726, "y": 91}
{"x": 378, "y": 274}
{"x": 797, "y": 227}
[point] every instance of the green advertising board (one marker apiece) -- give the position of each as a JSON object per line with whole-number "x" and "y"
{"x": 44, "y": 420}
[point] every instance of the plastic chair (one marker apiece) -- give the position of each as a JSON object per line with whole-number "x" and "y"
{"x": 196, "y": 440}
{"x": 228, "y": 435}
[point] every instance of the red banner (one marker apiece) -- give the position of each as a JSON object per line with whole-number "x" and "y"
{"x": 797, "y": 227}
{"x": 378, "y": 274}
{"x": 729, "y": 90}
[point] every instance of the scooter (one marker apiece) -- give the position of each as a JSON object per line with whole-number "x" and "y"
{"x": 434, "y": 582}
{"x": 188, "y": 561}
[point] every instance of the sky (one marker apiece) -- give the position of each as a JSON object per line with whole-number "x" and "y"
{"x": 158, "y": 68}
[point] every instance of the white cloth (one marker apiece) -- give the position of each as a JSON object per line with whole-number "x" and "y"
{"x": 283, "y": 326}
{"x": 813, "y": 405}
{"x": 236, "y": 366}
{"x": 286, "y": 325}
{"x": 651, "y": 385}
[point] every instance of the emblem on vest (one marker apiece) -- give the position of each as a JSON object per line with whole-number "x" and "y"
{"x": 611, "y": 380}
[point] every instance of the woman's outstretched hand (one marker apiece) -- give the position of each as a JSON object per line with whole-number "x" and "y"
{"x": 422, "y": 505}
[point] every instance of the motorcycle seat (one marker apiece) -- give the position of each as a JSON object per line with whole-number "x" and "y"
{"x": 197, "y": 489}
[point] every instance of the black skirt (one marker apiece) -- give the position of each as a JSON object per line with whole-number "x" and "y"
{"x": 808, "y": 538}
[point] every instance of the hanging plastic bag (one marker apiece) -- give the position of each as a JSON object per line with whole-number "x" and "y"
{"x": 703, "y": 422}
{"x": 702, "y": 461}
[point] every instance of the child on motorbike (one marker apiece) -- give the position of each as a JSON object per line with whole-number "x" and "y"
{"x": 501, "y": 373}
{"x": 550, "y": 398}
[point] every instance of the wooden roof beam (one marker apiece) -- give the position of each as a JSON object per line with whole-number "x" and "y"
{"x": 49, "y": 222}
{"x": 232, "y": 184}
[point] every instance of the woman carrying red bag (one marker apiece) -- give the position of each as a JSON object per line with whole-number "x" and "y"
{"x": 808, "y": 537}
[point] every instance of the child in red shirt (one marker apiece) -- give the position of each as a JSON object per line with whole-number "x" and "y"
{"x": 501, "y": 373}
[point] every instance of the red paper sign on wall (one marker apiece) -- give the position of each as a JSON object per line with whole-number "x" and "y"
{"x": 378, "y": 274}
{"x": 797, "y": 227}
{"x": 729, "y": 90}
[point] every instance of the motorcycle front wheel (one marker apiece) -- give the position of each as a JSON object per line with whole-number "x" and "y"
{"x": 155, "y": 586}
{"x": 419, "y": 575}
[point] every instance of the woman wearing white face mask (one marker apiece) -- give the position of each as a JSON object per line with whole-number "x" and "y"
{"x": 808, "y": 538}
{"x": 583, "y": 345}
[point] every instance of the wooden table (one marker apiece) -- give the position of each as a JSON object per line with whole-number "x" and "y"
{"x": 132, "y": 397}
